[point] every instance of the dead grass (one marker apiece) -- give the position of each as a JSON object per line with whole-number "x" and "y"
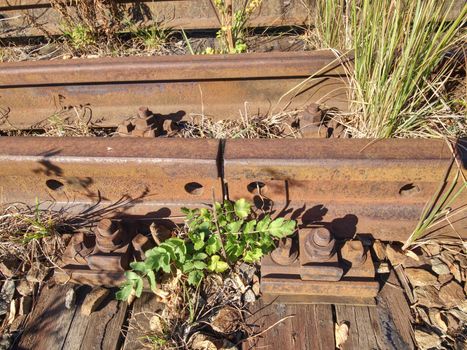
{"x": 31, "y": 238}
{"x": 254, "y": 127}
{"x": 70, "y": 121}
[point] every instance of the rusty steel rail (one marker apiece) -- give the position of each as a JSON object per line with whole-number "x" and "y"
{"x": 220, "y": 86}
{"x": 175, "y": 14}
{"x": 348, "y": 186}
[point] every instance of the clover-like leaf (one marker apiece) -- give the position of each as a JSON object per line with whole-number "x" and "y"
{"x": 216, "y": 265}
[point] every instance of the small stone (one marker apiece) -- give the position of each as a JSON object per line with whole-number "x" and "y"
{"x": 442, "y": 279}
{"x": 6, "y": 296}
{"x": 25, "y": 305}
{"x": 426, "y": 340}
{"x": 226, "y": 320}
{"x": 453, "y": 295}
{"x": 247, "y": 271}
{"x": 24, "y": 288}
{"x": 439, "y": 267}
{"x": 93, "y": 300}
{"x": 70, "y": 298}
{"x": 249, "y": 296}
{"x": 420, "y": 277}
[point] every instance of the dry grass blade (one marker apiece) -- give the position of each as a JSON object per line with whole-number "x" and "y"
{"x": 264, "y": 127}
{"x": 441, "y": 207}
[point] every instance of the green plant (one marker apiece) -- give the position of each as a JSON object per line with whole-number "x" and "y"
{"x": 233, "y": 31}
{"x": 152, "y": 37}
{"x": 80, "y": 36}
{"x": 215, "y": 239}
{"x": 401, "y": 67}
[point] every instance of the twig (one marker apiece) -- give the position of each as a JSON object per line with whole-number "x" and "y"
{"x": 267, "y": 329}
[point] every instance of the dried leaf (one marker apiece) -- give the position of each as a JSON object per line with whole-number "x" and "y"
{"x": 341, "y": 334}
{"x": 412, "y": 255}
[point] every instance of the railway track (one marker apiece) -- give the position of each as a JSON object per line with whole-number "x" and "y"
{"x": 218, "y": 86}
{"x": 349, "y": 186}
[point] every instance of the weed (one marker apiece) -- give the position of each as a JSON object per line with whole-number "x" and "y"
{"x": 233, "y": 31}
{"x": 89, "y": 21}
{"x": 152, "y": 37}
{"x": 215, "y": 239}
{"x": 80, "y": 36}
{"x": 402, "y": 64}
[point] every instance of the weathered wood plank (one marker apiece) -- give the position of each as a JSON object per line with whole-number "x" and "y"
{"x": 50, "y": 320}
{"x": 310, "y": 328}
{"x": 104, "y": 328}
{"x": 395, "y": 316}
{"x": 79, "y": 324}
{"x": 143, "y": 309}
{"x": 363, "y": 326}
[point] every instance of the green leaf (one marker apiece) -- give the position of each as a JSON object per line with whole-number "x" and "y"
{"x": 195, "y": 277}
{"x": 188, "y": 266}
{"x": 216, "y": 265}
{"x": 253, "y": 255}
{"x": 281, "y": 228}
{"x": 249, "y": 227}
{"x": 152, "y": 280}
{"x": 131, "y": 276}
{"x": 169, "y": 249}
{"x": 200, "y": 256}
{"x": 139, "y": 287}
{"x": 234, "y": 227}
{"x": 213, "y": 245}
{"x": 242, "y": 208}
{"x": 263, "y": 224}
{"x": 199, "y": 265}
{"x": 179, "y": 247}
{"x": 139, "y": 266}
{"x": 124, "y": 292}
{"x": 159, "y": 260}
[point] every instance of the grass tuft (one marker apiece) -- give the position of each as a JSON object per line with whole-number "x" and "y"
{"x": 403, "y": 64}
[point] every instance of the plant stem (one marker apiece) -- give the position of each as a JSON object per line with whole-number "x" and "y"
{"x": 217, "y": 225}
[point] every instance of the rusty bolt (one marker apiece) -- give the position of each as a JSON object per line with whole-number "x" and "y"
{"x": 319, "y": 244}
{"x": 144, "y": 112}
{"x": 107, "y": 227}
{"x": 149, "y": 133}
{"x": 354, "y": 252}
{"x": 284, "y": 254}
